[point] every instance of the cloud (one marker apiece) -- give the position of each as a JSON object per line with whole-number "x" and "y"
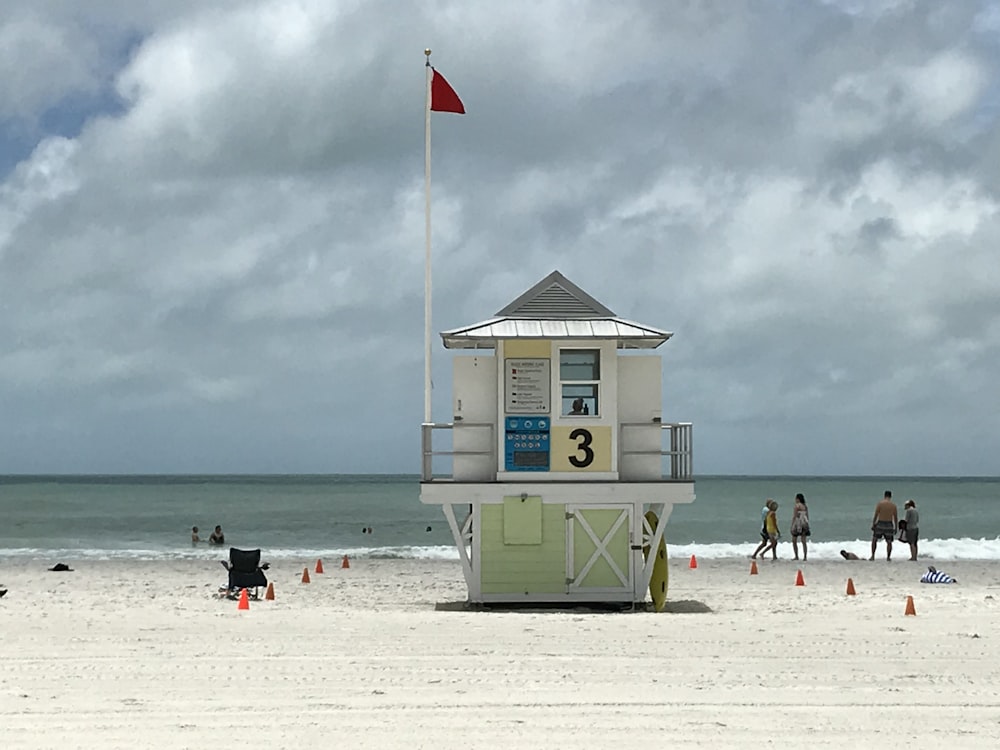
{"x": 43, "y": 63}
{"x": 212, "y": 223}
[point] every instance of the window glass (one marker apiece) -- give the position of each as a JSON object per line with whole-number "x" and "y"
{"x": 579, "y": 375}
{"x": 580, "y": 364}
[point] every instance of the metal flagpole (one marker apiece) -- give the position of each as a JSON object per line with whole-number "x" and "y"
{"x": 427, "y": 240}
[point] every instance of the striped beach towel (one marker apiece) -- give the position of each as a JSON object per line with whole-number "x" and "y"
{"x": 935, "y": 576}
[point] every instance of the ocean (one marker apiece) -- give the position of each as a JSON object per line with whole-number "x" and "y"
{"x": 67, "y": 518}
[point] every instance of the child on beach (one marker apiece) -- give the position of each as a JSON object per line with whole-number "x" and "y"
{"x": 194, "y": 535}
{"x": 771, "y": 530}
{"x": 764, "y": 538}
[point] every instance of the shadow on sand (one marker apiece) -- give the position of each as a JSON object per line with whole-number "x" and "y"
{"x": 680, "y": 607}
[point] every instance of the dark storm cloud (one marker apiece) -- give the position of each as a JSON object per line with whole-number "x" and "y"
{"x": 221, "y": 268}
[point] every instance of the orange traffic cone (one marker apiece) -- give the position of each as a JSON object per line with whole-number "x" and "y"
{"x": 850, "y": 587}
{"x": 305, "y": 575}
{"x": 345, "y": 563}
{"x": 244, "y": 600}
{"x": 910, "y": 609}
{"x": 753, "y": 568}
{"x": 799, "y": 580}
{"x": 269, "y": 594}
{"x": 319, "y": 566}
{"x": 693, "y": 564}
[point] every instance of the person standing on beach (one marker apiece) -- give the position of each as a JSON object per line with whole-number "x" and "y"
{"x": 800, "y": 526}
{"x": 912, "y": 522}
{"x": 764, "y": 538}
{"x": 884, "y": 524}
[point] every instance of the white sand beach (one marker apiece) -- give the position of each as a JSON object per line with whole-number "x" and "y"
{"x": 137, "y": 655}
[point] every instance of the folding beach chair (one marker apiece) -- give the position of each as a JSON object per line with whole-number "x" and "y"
{"x": 245, "y": 572}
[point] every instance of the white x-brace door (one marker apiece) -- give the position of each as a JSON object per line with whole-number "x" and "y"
{"x": 598, "y": 549}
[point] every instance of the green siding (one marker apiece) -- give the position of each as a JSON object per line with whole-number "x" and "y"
{"x": 523, "y": 568}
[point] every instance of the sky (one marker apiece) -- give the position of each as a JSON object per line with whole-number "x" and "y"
{"x": 212, "y": 223}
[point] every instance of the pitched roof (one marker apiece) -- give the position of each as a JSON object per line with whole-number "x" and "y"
{"x": 555, "y": 308}
{"x": 555, "y": 296}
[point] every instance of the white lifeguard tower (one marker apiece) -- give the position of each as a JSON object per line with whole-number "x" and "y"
{"x": 558, "y": 453}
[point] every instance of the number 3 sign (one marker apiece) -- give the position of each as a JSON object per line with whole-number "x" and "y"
{"x": 581, "y": 449}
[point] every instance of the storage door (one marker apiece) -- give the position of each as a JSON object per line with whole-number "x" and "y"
{"x": 598, "y": 557}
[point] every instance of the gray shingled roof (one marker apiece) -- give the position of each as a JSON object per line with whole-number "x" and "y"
{"x": 555, "y": 308}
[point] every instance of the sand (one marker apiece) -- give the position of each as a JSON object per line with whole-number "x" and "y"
{"x": 143, "y": 654}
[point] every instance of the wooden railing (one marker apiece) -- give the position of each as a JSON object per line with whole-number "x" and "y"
{"x": 427, "y": 444}
{"x": 679, "y": 452}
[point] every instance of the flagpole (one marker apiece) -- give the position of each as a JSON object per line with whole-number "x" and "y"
{"x": 427, "y": 241}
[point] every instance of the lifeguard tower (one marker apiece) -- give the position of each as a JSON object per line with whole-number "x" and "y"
{"x": 558, "y": 453}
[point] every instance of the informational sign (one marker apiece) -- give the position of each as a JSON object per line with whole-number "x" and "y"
{"x": 526, "y": 386}
{"x": 526, "y": 443}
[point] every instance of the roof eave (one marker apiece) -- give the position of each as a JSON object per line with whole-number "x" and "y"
{"x": 455, "y": 340}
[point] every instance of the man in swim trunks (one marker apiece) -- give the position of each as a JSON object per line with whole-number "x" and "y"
{"x": 884, "y": 524}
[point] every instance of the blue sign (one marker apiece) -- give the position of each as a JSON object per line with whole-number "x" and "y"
{"x": 526, "y": 444}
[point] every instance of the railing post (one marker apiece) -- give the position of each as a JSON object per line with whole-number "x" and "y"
{"x": 494, "y": 458}
{"x": 687, "y": 451}
{"x": 690, "y": 451}
{"x": 426, "y": 443}
{"x": 685, "y": 461}
{"x": 674, "y": 456}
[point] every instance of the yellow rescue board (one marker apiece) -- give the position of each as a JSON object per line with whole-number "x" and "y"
{"x": 658, "y": 581}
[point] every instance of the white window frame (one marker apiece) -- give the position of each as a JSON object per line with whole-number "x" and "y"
{"x": 598, "y": 398}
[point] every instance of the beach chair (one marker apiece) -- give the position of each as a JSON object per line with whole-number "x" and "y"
{"x": 245, "y": 572}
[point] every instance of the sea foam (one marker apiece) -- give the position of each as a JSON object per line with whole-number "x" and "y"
{"x": 965, "y": 548}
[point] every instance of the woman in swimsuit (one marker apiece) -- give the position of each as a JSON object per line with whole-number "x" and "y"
{"x": 912, "y": 527}
{"x": 800, "y": 526}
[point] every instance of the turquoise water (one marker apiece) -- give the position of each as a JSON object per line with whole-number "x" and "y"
{"x": 294, "y": 516}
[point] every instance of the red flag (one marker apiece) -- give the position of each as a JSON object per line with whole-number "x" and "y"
{"x": 443, "y": 96}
